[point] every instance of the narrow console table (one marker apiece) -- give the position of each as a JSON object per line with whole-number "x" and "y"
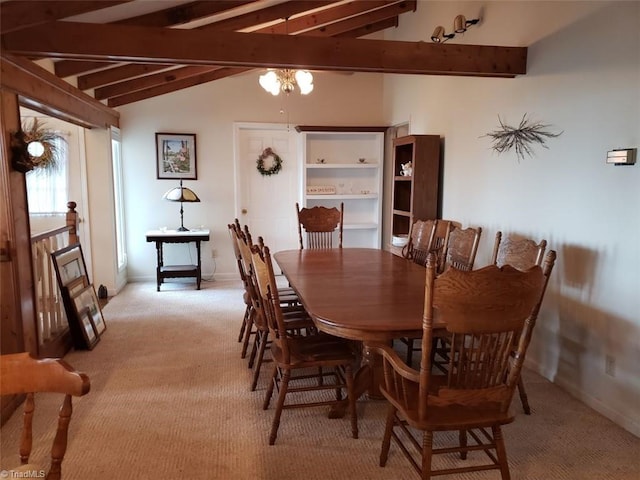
{"x": 163, "y": 271}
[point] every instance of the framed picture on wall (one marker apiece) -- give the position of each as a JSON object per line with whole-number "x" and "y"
{"x": 176, "y": 156}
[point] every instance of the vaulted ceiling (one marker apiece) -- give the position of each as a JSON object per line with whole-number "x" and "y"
{"x": 123, "y": 57}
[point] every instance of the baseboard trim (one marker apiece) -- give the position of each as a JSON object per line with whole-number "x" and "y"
{"x": 628, "y": 423}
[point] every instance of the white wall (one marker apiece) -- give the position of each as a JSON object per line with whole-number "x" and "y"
{"x": 583, "y": 77}
{"x": 209, "y": 111}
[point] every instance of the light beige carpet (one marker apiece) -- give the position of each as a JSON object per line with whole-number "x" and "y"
{"x": 170, "y": 399}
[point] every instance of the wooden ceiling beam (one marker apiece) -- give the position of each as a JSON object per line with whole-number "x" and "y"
{"x": 343, "y": 27}
{"x": 194, "y": 47}
{"x": 299, "y": 24}
{"x": 67, "y": 68}
{"x": 15, "y": 15}
{"x": 216, "y": 74}
{"x": 43, "y": 91}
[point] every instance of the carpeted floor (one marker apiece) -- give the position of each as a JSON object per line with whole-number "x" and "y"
{"x": 170, "y": 399}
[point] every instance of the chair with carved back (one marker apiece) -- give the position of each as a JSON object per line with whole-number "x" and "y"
{"x": 246, "y": 327}
{"x": 22, "y": 374}
{"x": 520, "y": 253}
{"x": 315, "y": 370}
{"x": 438, "y": 238}
{"x": 318, "y": 225}
{"x": 460, "y": 253}
{"x": 485, "y": 312}
{"x": 296, "y": 317}
{"x": 420, "y": 235}
{"x": 462, "y": 247}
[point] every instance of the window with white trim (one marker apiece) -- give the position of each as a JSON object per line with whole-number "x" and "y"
{"x": 48, "y": 189}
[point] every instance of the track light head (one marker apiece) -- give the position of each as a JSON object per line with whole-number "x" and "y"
{"x": 438, "y": 35}
{"x": 460, "y": 23}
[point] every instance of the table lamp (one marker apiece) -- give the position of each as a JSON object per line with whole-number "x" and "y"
{"x": 181, "y": 194}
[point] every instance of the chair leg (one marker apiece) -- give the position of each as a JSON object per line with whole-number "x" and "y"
{"x": 244, "y": 323}
{"x": 388, "y": 430}
{"x": 352, "y": 401}
{"x": 524, "y": 400}
{"x": 247, "y": 333}
{"x": 501, "y": 452}
{"x": 409, "y": 351}
{"x": 427, "y": 454}
{"x": 260, "y": 358}
{"x": 269, "y": 394}
{"x": 462, "y": 434}
{"x": 284, "y": 386}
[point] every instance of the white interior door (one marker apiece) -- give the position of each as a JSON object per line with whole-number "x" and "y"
{"x": 267, "y": 203}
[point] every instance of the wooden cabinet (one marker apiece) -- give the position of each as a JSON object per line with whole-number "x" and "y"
{"x": 344, "y": 164}
{"x": 416, "y": 196}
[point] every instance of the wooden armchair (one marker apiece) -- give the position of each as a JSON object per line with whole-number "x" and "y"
{"x": 305, "y": 367}
{"x": 22, "y": 374}
{"x": 486, "y": 312}
{"x": 319, "y": 225}
{"x": 520, "y": 253}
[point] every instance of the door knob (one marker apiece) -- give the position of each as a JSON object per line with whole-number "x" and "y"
{"x": 244, "y": 211}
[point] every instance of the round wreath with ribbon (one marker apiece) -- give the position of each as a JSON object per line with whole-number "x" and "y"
{"x": 276, "y": 165}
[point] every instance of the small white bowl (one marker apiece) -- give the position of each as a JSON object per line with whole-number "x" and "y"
{"x": 399, "y": 240}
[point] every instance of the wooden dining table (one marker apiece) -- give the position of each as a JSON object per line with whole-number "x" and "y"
{"x": 363, "y": 294}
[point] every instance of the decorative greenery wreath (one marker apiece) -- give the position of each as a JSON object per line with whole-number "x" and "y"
{"x": 276, "y": 166}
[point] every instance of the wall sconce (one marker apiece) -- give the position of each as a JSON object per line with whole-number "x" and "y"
{"x": 438, "y": 35}
{"x": 460, "y": 25}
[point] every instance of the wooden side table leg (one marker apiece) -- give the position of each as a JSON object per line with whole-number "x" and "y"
{"x": 199, "y": 269}
{"x": 158, "y": 264}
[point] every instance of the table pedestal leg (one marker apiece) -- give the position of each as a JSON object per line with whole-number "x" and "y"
{"x": 367, "y": 380}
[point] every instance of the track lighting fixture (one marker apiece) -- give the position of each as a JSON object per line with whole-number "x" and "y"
{"x": 460, "y": 25}
{"x": 438, "y": 35}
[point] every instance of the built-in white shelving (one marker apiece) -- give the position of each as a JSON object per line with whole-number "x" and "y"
{"x": 346, "y": 161}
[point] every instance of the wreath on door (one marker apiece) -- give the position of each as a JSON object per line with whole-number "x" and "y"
{"x": 276, "y": 164}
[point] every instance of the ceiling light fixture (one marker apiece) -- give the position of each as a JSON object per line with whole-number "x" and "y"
{"x": 460, "y": 25}
{"x": 285, "y": 80}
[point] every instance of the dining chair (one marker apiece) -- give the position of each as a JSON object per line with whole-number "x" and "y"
{"x": 520, "y": 253}
{"x": 317, "y": 225}
{"x": 438, "y": 238}
{"x": 420, "y": 234}
{"x": 22, "y": 374}
{"x": 296, "y": 317}
{"x": 461, "y": 248}
{"x": 246, "y": 329}
{"x": 485, "y": 312}
{"x": 304, "y": 366}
